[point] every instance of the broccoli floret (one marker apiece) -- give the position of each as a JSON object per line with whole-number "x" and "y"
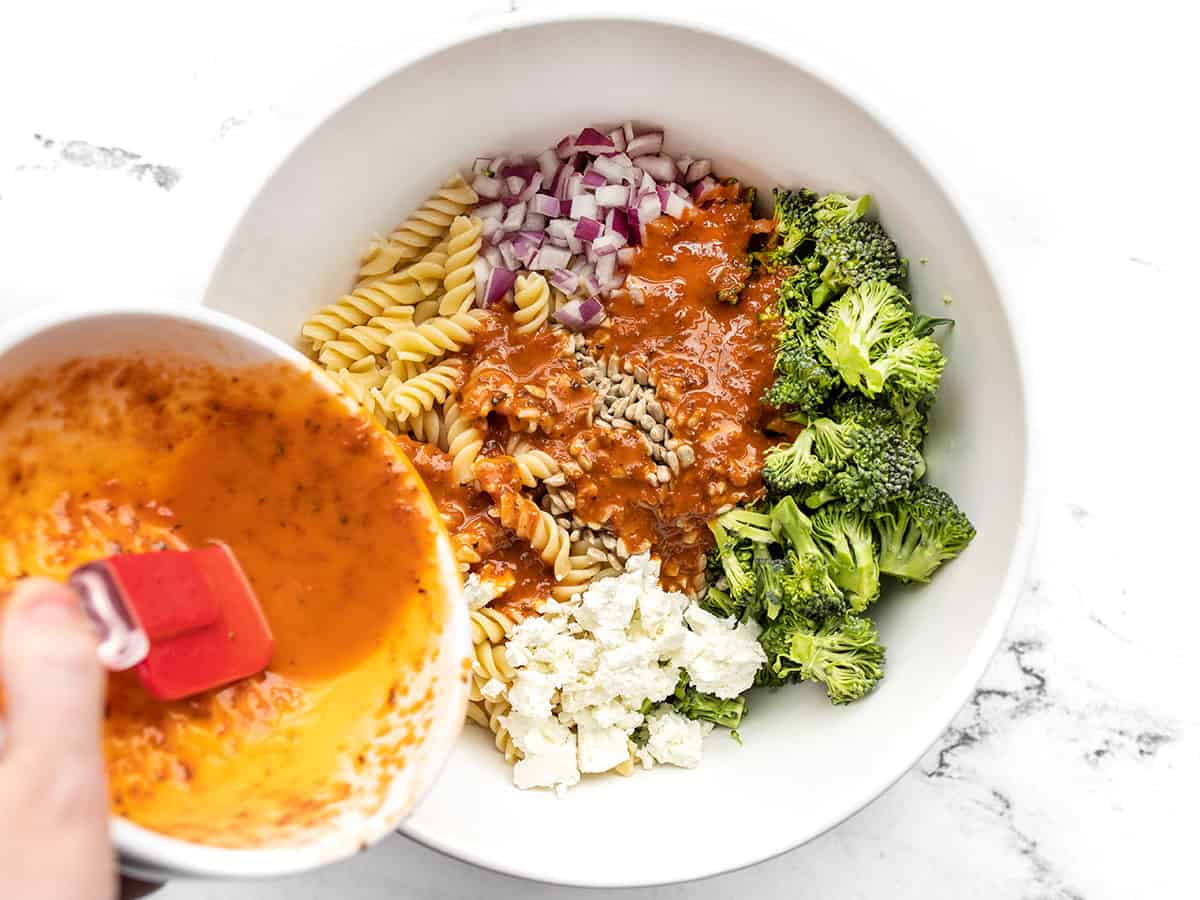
{"x": 843, "y": 653}
{"x": 735, "y": 558}
{"x": 768, "y": 583}
{"x": 912, "y": 416}
{"x": 787, "y": 467}
{"x": 748, "y": 525}
{"x": 849, "y": 541}
{"x": 833, "y": 209}
{"x": 869, "y": 341}
{"x": 852, "y": 406}
{"x": 924, "y": 326}
{"x": 920, "y": 532}
{"x": 707, "y": 707}
{"x": 856, "y": 252}
{"x": 883, "y": 468}
{"x": 834, "y": 442}
{"x": 803, "y": 376}
{"x": 795, "y": 223}
{"x": 809, "y": 588}
{"x": 719, "y": 603}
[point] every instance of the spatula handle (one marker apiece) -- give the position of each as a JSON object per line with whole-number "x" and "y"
{"x": 122, "y": 643}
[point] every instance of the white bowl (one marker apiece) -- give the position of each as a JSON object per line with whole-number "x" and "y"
{"x": 518, "y": 86}
{"x": 48, "y": 338}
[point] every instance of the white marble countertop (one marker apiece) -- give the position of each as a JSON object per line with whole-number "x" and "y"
{"x": 1071, "y": 141}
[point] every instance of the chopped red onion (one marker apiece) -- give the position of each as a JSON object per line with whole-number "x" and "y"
{"x": 612, "y": 195}
{"x": 537, "y": 236}
{"x": 534, "y": 222}
{"x": 492, "y": 230}
{"x": 565, "y": 147}
{"x": 534, "y": 185}
{"x": 607, "y": 244}
{"x": 591, "y": 284}
{"x": 650, "y": 142}
{"x": 551, "y": 257}
{"x": 492, "y": 255}
{"x": 635, "y": 226}
{"x": 622, "y": 159}
{"x": 628, "y": 129}
{"x": 524, "y": 249}
{"x": 565, "y": 280}
{"x": 486, "y": 186}
{"x": 482, "y": 166}
{"x": 701, "y": 168}
{"x": 592, "y": 141}
{"x": 483, "y": 269}
{"x": 648, "y": 186}
{"x": 702, "y": 187}
{"x": 560, "y": 227}
{"x": 583, "y": 205}
{"x": 617, "y": 136}
{"x": 509, "y": 257}
{"x": 649, "y": 208}
{"x": 574, "y": 186}
{"x": 675, "y": 206}
{"x": 544, "y": 204}
{"x": 618, "y": 222}
{"x": 574, "y": 244}
{"x": 514, "y": 217}
{"x": 610, "y": 170}
{"x": 498, "y": 164}
{"x": 514, "y": 184}
{"x": 489, "y": 211}
{"x": 588, "y": 229}
{"x": 626, "y": 256}
{"x": 582, "y": 267}
{"x": 606, "y": 268}
{"x": 499, "y": 283}
{"x": 580, "y": 315}
{"x": 593, "y": 179}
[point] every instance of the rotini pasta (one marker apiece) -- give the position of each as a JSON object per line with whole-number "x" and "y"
{"x": 464, "y": 440}
{"x": 496, "y": 711}
{"x": 462, "y": 249}
{"x": 444, "y": 334}
{"x": 532, "y": 299}
{"x": 358, "y": 381}
{"x": 537, "y": 528}
{"x": 421, "y": 393}
{"x": 491, "y": 663}
{"x": 492, "y": 625}
{"x": 421, "y": 230}
{"x": 583, "y": 569}
{"x": 476, "y": 712}
{"x": 535, "y": 466}
{"x": 365, "y": 340}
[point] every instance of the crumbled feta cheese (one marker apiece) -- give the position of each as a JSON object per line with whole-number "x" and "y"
{"x": 478, "y": 593}
{"x": 674, "y": 739}
{"x": 586, "y": 667}
{"x": 601, "y": 748}
{"x": 493, "y": 689}
{"x": 721, "y": 656}
{"x": 550, "y": 752}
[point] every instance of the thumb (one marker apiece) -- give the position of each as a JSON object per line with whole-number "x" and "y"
{"x": 53, "y": 682}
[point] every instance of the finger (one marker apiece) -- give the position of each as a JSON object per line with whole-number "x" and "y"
{"x": 53, "y": 683}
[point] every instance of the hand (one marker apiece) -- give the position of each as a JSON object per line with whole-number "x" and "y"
{"x": 53, "y": 795}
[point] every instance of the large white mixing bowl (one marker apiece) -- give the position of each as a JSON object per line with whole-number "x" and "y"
{"x": 518, "y": 85}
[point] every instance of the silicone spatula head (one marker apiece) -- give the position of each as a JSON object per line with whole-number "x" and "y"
{"x": 188, "y": 620}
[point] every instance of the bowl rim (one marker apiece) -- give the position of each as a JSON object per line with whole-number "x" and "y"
{"x": 147, "y": 853}
{"x": 706, "y": 23}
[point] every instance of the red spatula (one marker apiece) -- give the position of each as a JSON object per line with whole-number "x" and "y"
{"x": 188, "y": 620}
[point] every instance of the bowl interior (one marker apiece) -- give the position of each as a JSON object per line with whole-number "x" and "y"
{"x": 769, "y": 122}
{"x": 425, "y": 729}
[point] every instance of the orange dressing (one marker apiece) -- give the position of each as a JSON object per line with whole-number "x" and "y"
{"x": 328, "y": 522}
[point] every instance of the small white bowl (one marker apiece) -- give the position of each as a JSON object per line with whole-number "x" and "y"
{"x": 56, "y": 335}
{"x": 519, "y": 85}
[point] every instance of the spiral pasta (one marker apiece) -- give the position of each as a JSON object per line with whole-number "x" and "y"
{"x": 492, "y": 625}
{"x": 532, "y": 299}
{"x": 421, "y": 393}
{"x": 462, "y": 249}
{"x": 492, "y": 664}
{"x": 535, "y": 466}
{"x": 476, "y": 713}
{"x": 358, "y": 381}
{"x": 444, "y": 334}
{"x": 428, "y": 271}
{"x": 583, "y": 570}
{"x": 464, "y": 440}
{"x": 537, "y": 528}
{"x": 421, "y": 230}
{"x": 365, "y": 340}
{"x": 497, "y": 711}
